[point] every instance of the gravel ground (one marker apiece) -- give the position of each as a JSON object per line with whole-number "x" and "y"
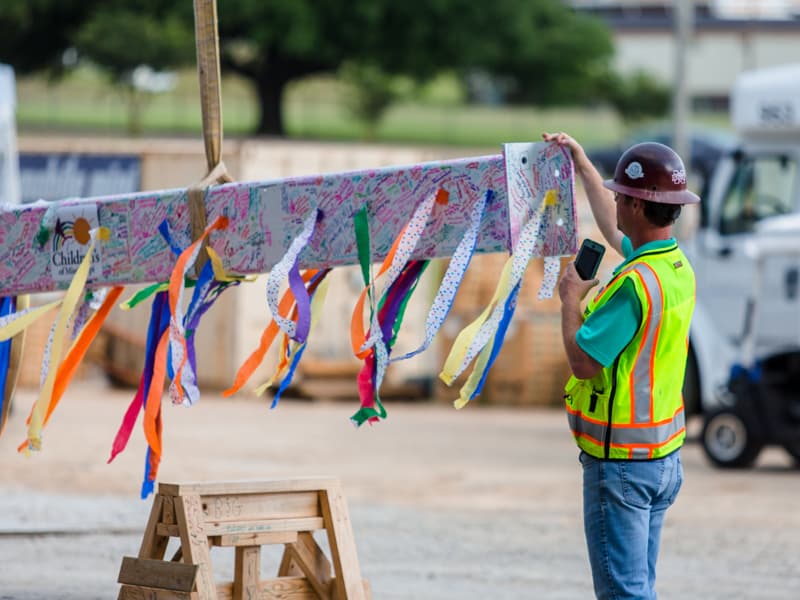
{"x": 472, "y": 504}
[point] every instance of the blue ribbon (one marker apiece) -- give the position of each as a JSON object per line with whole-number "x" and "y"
{"x": 8, "y": 305}
{"x": 502, "y": 328}
{"x": 159, "y": 322}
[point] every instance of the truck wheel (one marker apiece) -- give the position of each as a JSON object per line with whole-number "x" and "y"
{"x": 727, "y": 440}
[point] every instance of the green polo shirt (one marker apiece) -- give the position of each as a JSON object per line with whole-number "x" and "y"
{"x": 606, "y": 332}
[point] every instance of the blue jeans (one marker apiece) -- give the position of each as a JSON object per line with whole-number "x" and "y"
{"x": 624, "y": 502}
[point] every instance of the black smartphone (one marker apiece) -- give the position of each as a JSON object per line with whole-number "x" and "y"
{"x": 588, "y": 259}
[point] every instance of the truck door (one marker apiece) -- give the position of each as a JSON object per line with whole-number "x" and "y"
{"x": 759, "y": 187}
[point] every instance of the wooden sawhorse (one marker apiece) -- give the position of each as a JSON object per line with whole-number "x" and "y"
{"x": 246, "y": 516}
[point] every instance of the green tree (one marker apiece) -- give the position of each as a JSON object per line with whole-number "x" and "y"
{"x": 371, "y": 92}
{"x": 274, "y": 43}
{"x": 37, "y": 32}
{"x": 123, "y": 35}
{"x": 116, "y": 35}
{"x": 548, "y": 51}
{"x": 636, "y": 97}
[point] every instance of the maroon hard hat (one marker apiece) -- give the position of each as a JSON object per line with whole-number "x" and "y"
{"x": 654, "y": 172}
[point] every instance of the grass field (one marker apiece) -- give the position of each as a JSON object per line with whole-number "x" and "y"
{"x": 313, "y": 109}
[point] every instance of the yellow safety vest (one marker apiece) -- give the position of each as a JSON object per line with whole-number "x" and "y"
{"x": 633, "y": 409}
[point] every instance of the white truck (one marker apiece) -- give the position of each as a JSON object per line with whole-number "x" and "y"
{"x": 755, "y": 187}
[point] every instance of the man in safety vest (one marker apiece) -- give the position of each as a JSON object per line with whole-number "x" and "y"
{"x": 627, "y": 350}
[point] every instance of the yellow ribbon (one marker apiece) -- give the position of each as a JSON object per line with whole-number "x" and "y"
{"x": 466, "y": 391}
{"x": 468, "y": 334}
{"x": 68, "y": 304}
{"x": 219, "y": 269}
{"x": 24, "y": 319}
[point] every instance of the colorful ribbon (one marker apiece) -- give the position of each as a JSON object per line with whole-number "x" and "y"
{"x": 456, "y": 360}
{"x": 289, "y": 347}
{"x": 402, "y": 276}
{"x": 452, "y": 279}
{"x": 81, "y": 342}
{"x": 14, "y": 323}
{"x": 157, "y": 331}
{"x": 7, "y": 306}
{"x": 552, "y": 271}
{"x": 317, "y": 290}
{"x": 393, "y": 264}
{"x": 287, "y": 268}
{"x": 68, "y": 304}
{"x": 178, "y": 351}
{"x": 390, "y": 317}
{"x": 148, "y": 395}
{"x": 252, "y": 362}
{"x": 372, "y": 346}
{"x": 478, "y": 333}
{"x": 170, "y": 344}
{"x": 486, "y": 358}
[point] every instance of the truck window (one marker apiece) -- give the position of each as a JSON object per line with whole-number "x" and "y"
{"x": 761, "y": 187}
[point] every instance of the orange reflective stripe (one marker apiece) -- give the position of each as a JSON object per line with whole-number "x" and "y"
{"x": 584, "y": 417}
{"x": 656, "y": 335}
{"x": 642, "y": 344}
{"x": 641, "y": 380}
{"x": 634, "y": 435}
{"x": 585, "y": 436}
{"x": 601, "y": 294}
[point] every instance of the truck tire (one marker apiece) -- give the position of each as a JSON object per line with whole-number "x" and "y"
{"x": 728, "y": 440}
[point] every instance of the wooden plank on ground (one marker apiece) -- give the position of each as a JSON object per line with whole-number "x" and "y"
{"x": 147, "y": 572}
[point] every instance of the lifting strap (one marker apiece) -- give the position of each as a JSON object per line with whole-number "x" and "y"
{"x": 208, "y": 70}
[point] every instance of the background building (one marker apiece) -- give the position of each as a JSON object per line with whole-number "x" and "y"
{"x": 728, "y": 37}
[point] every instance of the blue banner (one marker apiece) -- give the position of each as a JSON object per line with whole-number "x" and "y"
{"x": 55, "y": 176}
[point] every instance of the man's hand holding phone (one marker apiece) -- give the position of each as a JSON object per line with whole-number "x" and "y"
{"x": 588, "y": 259}
{"x": 579, "y": 277}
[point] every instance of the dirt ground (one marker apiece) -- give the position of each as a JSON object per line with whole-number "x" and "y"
{"x": 444, "y": 504}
